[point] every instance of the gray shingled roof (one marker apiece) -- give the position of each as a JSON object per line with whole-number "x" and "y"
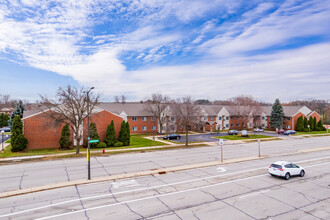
{"x": 211, "y": 110}
{"x": 130, "y": 108}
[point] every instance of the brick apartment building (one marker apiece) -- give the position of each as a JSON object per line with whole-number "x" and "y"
{"x": 41, "y": 131}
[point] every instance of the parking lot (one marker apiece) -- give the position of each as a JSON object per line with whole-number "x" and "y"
{"x": 209, "y": 137}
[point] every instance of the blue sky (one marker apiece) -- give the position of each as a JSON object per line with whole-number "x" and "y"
{"x": 213, "y": 49}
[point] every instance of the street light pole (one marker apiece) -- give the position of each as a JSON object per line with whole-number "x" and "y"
{"x": 2, "y": 132}
{"x": 88, "y": 139}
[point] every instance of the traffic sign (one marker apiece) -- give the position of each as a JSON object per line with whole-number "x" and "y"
{"x": 220, "y": 141}
{"x": 327, "y": 126}
{"x": 94, "y": 141}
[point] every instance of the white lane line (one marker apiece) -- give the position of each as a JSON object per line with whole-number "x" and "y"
{"x": 252, "y": 194}
{"x": 221, "y": 169}
{"x": 149, "y": 197}
{"x": 125, "y": 183}
{"x": 142, "y": 189}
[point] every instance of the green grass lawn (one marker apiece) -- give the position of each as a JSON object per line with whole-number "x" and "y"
{"x": 312, "y": 132}
{"x": 136, "y": 142}
{"x": 236, "y": 137}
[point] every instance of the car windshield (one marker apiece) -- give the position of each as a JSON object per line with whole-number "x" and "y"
{"x": 276, "y": 166}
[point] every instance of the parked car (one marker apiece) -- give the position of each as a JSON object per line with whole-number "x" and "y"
{"x": 285, "y": 169}
{"x": 288, "y": 132}
{"x": 244, "y": 133}
{"x": 258, "y": 130}
{"x": 5, "y": 129}
{"x": 281, "y": 131}
{"x": 172, "y": 136}
{"x": 233, "y": 132}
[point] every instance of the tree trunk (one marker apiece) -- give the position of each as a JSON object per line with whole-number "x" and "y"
{"x": 77, "y": 149}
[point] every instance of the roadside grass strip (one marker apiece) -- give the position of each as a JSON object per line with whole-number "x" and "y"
{"x": 250, "y": 137}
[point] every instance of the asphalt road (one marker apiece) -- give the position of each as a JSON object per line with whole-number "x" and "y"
{"x": 5, "y": 138}
{"x": 233, "y": 191}
{"x": 32, "y": 174}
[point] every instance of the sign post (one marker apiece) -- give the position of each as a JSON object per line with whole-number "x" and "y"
{"x": 259, "y": 147}
{"x": 221, "y": 143}
{"x": 327, "y": 126}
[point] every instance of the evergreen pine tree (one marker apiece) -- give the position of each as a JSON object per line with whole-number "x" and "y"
{"x": 122, "y": 132}
{"x": 19, "y": 109}
{"x": 300, "y": 124}
{"x": 18, "y": 141}
{"x": 305, "y": 124}
{"x": 128, "y": 135}
{"x": 277, "y": 114}
{"x": 311, "y": 123}
{"x": 315, "y": 124}
{"x": 320, "y": 126}
{"x": 93, "y": 134}
{"x": 65, "y": 137}
{"x": 3, "y": 120}
{"x": 110, "y": 138}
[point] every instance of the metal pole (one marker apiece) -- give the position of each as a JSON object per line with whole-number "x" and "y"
{"x": 2, "y": 140}
{"x": 259, "y": 147}
{"x": 88, "y": 144}
{"x": 89, "y": 157}
{"x": 221, "y": 154}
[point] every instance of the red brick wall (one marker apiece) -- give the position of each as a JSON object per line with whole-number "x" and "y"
{"x": 42, "y": 132}
{"x": 318, "y": 117}
{"x": 139, "y": 123}
{"x": 102, "y": 120}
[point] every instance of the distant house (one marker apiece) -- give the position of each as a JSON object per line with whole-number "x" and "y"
{"x": 7, "y": 111}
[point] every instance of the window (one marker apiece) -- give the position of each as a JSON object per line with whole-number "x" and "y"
{"x": 227, "y": 117}
{"x": 134, "y": 118}
{"x": 153, "y": 127}
{"x": 172, "y": 118}
{"x": 231, "y": 117}
{"x": 205, "y": 118}
{"x": 288, "y": 127}
{"x": 288, "y": 166}
{"x": 232, "y": 125}
{"x": 144, "y": 128}
{"x": 164, "y": 128}
{"x": 237, "y": 125}
{"x": 263, "y": 118}
{"x": 134, "y": 128}
{"x": 227, "y": 125}
{"x": 144, "y": 118}
{"x": 263, "y": 125}
{"x": 288, "y": 118}
{"x": 211, "y": 118}
{"x": 220, "y": 117}
{"x": 153, "y": 118}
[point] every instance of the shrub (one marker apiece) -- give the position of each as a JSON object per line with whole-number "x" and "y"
{"x": 65, "y": 142}
{"x": 4, "y": 120}
{"x": 122, "y": 133}
{"x": 118, "y": 144}
{"x": 19, "y": 144}
{"x": 101, "y": 145}
{"x": 93, "y": 134}
{"x": 110, "y": 138}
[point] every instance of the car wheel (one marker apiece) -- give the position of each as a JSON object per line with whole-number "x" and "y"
{"x": 302, "y": 173}
{"x": 177, "y": 137}
{"x": 287, "y": 176}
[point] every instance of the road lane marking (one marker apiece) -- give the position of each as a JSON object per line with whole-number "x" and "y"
{"x": 125, "y": 183}
{"x": 148, "y": 188}
{"x": 252, "y": 194}
{"x": 149, "y": 197}
{"x": 221, "y": 170}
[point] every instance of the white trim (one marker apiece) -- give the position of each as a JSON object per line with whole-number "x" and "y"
{"x": 312, "y": 113}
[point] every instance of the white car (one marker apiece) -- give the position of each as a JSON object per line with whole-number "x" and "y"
{"x": 258, "y": 130}
{"x": 285, "y": 169}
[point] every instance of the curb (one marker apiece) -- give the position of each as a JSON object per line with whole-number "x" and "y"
{"x": 123, "y": 176}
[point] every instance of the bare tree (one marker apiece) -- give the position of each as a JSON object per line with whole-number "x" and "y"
{"x": 7, "y": 102}
{"x": 157, "y": 105}
{"x": 247, "y": 110}
{"x": 70, "y": 106}
{"x": 121, "y": 99}
{"x": 117, "y": 99}
{"x": 186, "y": 112}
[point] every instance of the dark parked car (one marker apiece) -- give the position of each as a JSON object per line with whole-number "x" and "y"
{"x": 288, "y": 132}
{"x": 5, "y": 129}
{"x": 233, "y": 132}
{"x": 281, "y": 131}
{"x": 172, "y": 136}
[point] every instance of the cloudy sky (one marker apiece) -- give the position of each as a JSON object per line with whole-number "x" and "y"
{"x": 213, "y": 49}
